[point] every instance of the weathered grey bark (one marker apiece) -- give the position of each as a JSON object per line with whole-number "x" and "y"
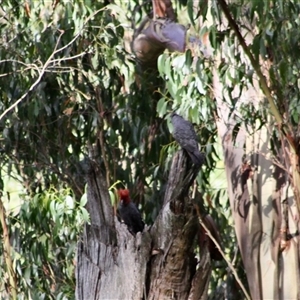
{"x": 113, "y": 264}
{"x": 201, "y": 279}
{"x": 174, "y": 231}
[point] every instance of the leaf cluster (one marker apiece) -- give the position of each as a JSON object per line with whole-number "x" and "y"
{"x": 44, "y": 237}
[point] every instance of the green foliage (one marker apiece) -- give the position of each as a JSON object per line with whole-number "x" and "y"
{"x": 44, "y": 236}
{"x": 86, "y": 94}
{"x": 273, "y": 26}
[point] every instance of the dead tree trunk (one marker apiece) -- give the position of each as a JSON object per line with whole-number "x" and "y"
{"x": 113, "y": 264}
{"x": 173, "y": 232}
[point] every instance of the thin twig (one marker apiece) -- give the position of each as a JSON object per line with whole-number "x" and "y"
{"x": 41, "y": 73}
{"x": 262, "y": 80}
{"x": 58, "y": 60}
{"x": 47, "y": 63}
{"x": 218, "y": 246}
{"x": 254, "y": 63}
{"x": 223, "y": 255}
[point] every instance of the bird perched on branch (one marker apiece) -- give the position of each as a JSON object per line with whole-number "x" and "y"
{"x": 129, "y": 213}
{"x": 185, "y": 135}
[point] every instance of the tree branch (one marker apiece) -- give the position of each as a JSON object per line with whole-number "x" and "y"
{"x": 256, "y": 66}
{"x": 48, "y": 62}
{"x": 223, "y": 255}
{"x": 41, "y": 73}
{"x": 173, "y": 234}
{"x": 294, "y": 157}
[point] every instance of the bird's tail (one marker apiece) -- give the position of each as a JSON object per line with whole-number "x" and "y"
{"x": 197, "y": 158}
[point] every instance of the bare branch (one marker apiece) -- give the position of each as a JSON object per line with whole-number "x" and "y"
{"x": 254, "y": 63}
{"x": 41, "y": 73}
{"x": 49, "y": 62}
{"x": 223, "y": 255}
